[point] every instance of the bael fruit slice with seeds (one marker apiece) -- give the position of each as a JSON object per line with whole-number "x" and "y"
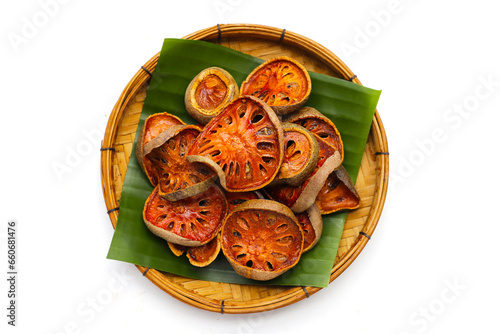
{"x": 177, "y": 177}
{"x": 338, "y": 193}
{"x": 152, "y": 127}
{"x": 209, "y": 92}
{"x": 301, "y": 155}
{"x": 202, "y": 256}
{"x": 320, "y": 125}
{"x": 282, "y": 82}
{"x": 311, "y": 223}
{"x": 192, "y": 221}
{"x": 243, "y": 144}
{"x": 262, "y": 239}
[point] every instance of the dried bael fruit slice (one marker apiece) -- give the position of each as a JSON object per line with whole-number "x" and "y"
{"x": 209, "y": 92}
{"x": 282, "y": 82}
{"x": 311, "y": 223}
{"x": 243, "y": 144}
{"x": 178, "y": 250}
{"x": 192, "y": 221}
{"x": 262, "y": 239}
{"x": 320, "y": 125}
{"x": 177, "y": 177}
{"x": 202, "y": 256}
{"x": 234, "y": 199}
{"x": 300, "y": 198}
{"x": 152, "y": 127}
{"x": 338, "y": 193}
{"x": 301, "y": 155}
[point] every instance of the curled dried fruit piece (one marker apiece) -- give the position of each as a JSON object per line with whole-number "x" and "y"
{"x": 262, "y": 239}
{"x": 177, "y": 177}
{"x": 243, "y": 144}
{"x": 300, "y": 198}
{"x": 311, "y": 223}
{"x": 192, "y": 221}
{"x": 178, "y": 250}
{"x": 202, "y": 256}
{"x": 301, "y": 155}
{"x": 281, "y": 82}
{"x": 209, "y": 92}
{"x": 338, "y": 193}
{"x": 152, "y": 127}
{"x": 320, "y": 125}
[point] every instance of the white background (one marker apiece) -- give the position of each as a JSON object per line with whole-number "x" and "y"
{"x": 431, "y": 265}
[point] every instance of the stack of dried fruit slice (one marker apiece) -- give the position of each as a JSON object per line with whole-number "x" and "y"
{"x": 209, "y": 180}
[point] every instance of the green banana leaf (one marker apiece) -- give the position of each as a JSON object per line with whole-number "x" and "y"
{"x": 350, "y": 106}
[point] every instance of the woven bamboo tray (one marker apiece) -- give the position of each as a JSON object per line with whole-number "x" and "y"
{"x": 263, "y": 42}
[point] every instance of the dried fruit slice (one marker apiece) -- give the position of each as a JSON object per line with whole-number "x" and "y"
{"x": 209, "y": 92}
{"x": 301, "y": 155}
{"x": 192, "y": 221}
{"x": 261, "y": 239}
{"x": 320, "y": 125}
{"x": 234, "y": 199}
{"x": 243, "y": 144}
{"x": 177, "y": 177}
{"x": 300, "y": 198}
{"x": 202, "y": 256}
{"x": 282, "y": 82}
{"x": 311, "y": 223}
{"x": 338, "y": 193}
{"x": 152, "y": 127}
{"x": 178, "y": 250}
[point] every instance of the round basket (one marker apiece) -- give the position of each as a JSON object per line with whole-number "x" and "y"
{"x": 263, "y": 42}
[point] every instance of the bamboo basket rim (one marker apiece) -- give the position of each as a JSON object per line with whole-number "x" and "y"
{"x": 294, "y": 294}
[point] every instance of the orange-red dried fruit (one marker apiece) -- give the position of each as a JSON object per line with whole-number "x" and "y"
{"x": 262, "y": 239}
{"x": 282, "y": 82}
{"x": 192, "y": 221}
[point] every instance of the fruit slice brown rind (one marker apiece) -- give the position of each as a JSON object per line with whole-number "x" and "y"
{"x": 282, "y": 82}
{"x": 338, "y": 193}
{"x": 209, "y": 92}
{"x": 300, "y": 198}
{"x": 152, "y": 127}
{"x": 318, "y": 124}
{"x": 301, "y": 155}
{"x": 192, "y": 221}
{"x": 261, "y": 239}
{"x": 311, "y": 223}
{"x": 177, "y": 177}
{"x": 243, "y": 144}
{"x": 202, "y": 256}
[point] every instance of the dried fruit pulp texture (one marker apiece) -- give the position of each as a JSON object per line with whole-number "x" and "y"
{"x": 279, "y": 83}
{"x": 154, "y": 125}
{"x": 297, "y": 153}
{"x": 262, "y": 240}
{"x": 202, "y": 254}
{"x": 173, "y": 171}
{"x": 322, "y": 130}
{"x": 196, "y": 218}
{"x": 244, "y": 142}
{"x": 287, "y": 194}
{"x": 157, "y": 124}
{"x": 235, "y": 199}
{"x": 335, "y": 195}
{"x": 211, "y": 92}
{"x": 307, "y": 228}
